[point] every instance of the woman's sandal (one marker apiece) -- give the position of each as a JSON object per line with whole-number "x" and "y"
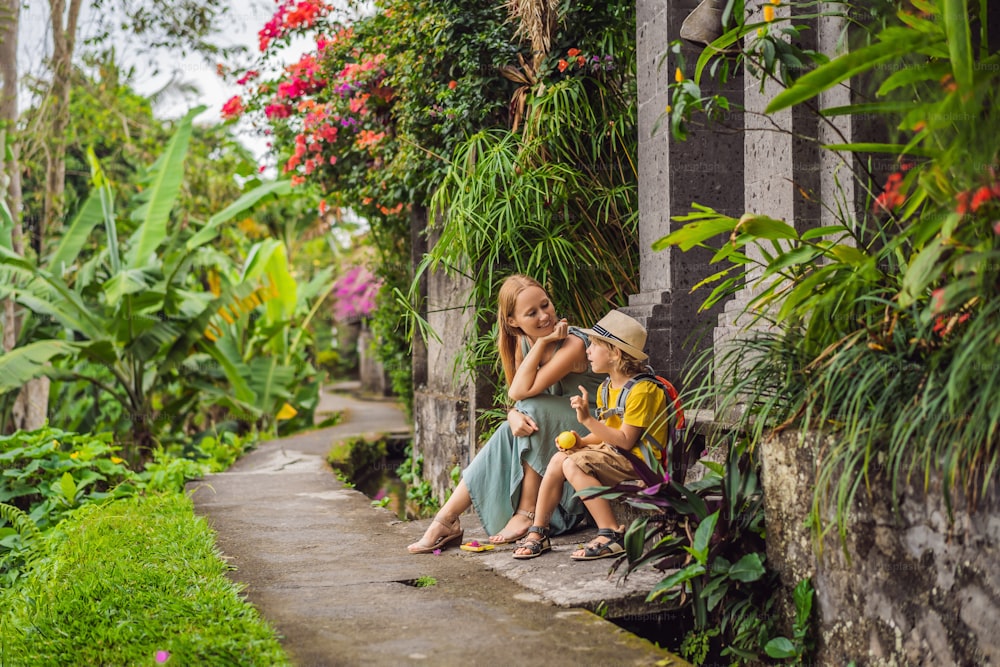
{"x": 440, "y": 543}
{"x": 536, "y": 547}
{"x": 500, "y": 538}
{"x": 594, "y": 550}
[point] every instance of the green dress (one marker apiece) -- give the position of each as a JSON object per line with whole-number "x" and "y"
{"x": 495, "y": 474}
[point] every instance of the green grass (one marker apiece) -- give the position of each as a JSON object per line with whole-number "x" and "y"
{"x": 128, "y": 579}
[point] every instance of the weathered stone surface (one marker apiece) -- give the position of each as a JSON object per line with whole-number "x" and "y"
{"x": 912, "y": 587}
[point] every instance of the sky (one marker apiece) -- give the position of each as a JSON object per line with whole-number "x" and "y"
{"x": 242, "y": 23}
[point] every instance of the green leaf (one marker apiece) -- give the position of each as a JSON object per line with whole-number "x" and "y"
{"x": 848, "y": 254}
{"x": 780, "y": 647}
{"x": 895, "y": 42}
{"x": 6, "y": 226}
{"x": 761, "y": 226}
{"x": 922, "y": 271}
{"x": 67, "y": 487}
{"x": 748, "y": 568}
{"x": 959, "y": 39}
{"x": 29, "y": 362}
{"x": 129, "y": 281}
{"x": 158, "y": 198}
{"x": 703, "y": 536}
{"x": 694, "y": 233}
{"x": 88, "y": 217}
{"x": 244, "y": 203}
{"x": 892, "y": 149}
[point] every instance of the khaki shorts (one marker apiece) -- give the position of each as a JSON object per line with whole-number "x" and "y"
{"x": 604, "y": 462}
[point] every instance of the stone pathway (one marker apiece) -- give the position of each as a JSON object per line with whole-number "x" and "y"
{"x": 332, "y": 575}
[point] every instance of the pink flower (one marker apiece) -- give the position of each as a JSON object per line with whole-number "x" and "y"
{"x": 233, "y": 107}
{"x": 937, "y": 300}
{"x": 162, "y": 657}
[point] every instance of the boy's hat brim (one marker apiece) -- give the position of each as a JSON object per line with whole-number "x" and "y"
{"x": 620, "y": 330}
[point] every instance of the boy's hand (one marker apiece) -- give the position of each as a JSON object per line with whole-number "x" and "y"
{"x": 581, "y": 405}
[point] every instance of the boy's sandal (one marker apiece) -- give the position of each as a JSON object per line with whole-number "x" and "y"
{"x": 536, "y": 547}
{"x": 594, "y": 550}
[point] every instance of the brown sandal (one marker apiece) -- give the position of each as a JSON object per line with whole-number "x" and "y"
{"x": 504, "y": 539}
{"x": 536, "y": 547}
{"x": 440, "y": 543}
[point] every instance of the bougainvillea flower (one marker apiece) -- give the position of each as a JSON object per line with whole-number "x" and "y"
{"x": 233, "y": 108}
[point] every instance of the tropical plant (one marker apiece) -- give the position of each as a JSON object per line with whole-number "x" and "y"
{"x": 554, "y": 196}
{"x": 127, "y": 317}
{"x": 710, "y": 533}
{"x": 882, "y": 330}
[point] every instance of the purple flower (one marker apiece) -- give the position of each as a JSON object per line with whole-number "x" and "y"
{"x": 162, "y": 657}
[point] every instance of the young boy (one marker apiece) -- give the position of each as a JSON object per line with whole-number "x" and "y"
{"x": 596, "y": 459}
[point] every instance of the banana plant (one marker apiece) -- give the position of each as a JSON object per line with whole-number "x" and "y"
{"x": 134, "y": 311}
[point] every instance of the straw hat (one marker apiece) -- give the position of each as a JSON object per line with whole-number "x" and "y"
{"x": 623, "y": 332}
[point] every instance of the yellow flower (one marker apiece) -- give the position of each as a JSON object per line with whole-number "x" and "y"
{"x": 115, "y": 459}
{"x": 761, "y": 32}
{"x": 775, "y": 2}
{"x": 678, "y": 75}
{"x": 668, "y": 109}
{"x": 75, "y": 455}
{"x": 286, "y": 412}
{"x": 768, "y": 13}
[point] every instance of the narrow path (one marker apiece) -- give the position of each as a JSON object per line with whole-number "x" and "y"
{"x": 332, "y": 575}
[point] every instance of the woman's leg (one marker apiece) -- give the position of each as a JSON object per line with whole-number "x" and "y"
{"x": 524, "y": 515}
{"x": 446, "y": 521}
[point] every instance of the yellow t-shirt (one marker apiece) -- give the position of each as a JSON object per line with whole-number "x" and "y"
{"x": 645, "y": 407}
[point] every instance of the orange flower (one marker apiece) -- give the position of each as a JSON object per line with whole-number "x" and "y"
{"x": 563, "y": 65}
{"x": 453, "y": 84}
{"x": 572, "y": 53}
{"x": 768, "y": 13}
{"x": 678, "y": 75}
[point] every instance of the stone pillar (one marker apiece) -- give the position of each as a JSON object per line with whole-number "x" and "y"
{"x": 787, "y": 178}
{"x": 445, "y": 398}
{"x": 707, "y": 168}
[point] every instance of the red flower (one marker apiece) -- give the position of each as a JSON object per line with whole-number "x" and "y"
{"x": 937, "y": 300}
{"x": 453, "y": 84}
{"x": 891, "y": 198}
{"x": 982, "y": 195}
{"x": 572, "y": 53}
{"x": 963, "y": 201}
{"x": 233, "y": 108}
{"x": 580, "y": 60}
{"x": 563, "y": 65}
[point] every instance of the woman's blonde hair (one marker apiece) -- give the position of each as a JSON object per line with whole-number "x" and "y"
{"x": 507, "y": 335}
{"x": 627, "y": 364}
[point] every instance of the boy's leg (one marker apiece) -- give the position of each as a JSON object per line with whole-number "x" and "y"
{"x": 549, "y": 494}
{"x": 600, "y": 508}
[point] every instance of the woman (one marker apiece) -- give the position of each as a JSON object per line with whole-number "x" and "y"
{"x": 544, "y": 361}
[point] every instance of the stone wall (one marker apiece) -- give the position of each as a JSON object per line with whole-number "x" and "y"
{"x": 445, "y": 400}
{"x": 915, "y": 588}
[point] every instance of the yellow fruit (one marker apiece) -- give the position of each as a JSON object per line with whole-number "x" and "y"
{"x": 566, "y": 440}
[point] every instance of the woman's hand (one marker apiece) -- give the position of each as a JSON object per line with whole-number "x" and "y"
{"x": 521, "y": 424}
{"x": 559, "y": 332}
